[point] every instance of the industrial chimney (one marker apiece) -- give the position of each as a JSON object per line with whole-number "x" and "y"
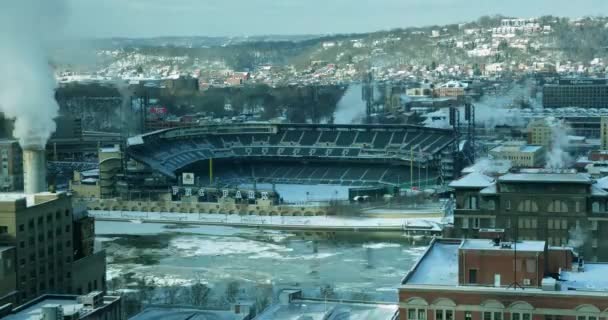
{"x": 34, "y": 170}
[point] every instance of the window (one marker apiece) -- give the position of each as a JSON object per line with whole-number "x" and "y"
{"x": 564, "y": 224}
{"x": 465, "y": 223}
{"x": 595, "y": 207}
{"x": 49, "y": 217}
{"x": 492, "y": 315}
{"x": 557, "y": 206}
{"x": 22, "y": 244}
{"x": 475, "y": 223}
{"x": 521, "y": 316}
{"x": 444, "y": 314}
{"x": 67, "y": 228}
{"x": 468, "y": 315}
{"x": 416, "y": 314}
{"x": 21, "y": 227}
{"x": 492, "y": 205}
{"x": 530, "y": 265}
{"x": 3, "y": 229}
{"x": 40, "y": 221}
{"x": 472, "y": 275}
{"x": 527, "y": 206}
{"x": 508, "y": 205}
{"x": 470, "y": 202}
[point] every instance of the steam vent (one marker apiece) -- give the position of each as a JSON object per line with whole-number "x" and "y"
{"x": 34, "y": 170}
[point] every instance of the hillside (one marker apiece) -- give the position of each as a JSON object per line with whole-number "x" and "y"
{"x": 488, "y": 40}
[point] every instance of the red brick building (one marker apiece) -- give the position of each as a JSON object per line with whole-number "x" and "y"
{"x": 489, "y": 280}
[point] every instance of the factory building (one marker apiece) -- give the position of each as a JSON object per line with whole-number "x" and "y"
{"x": 581, "y": 93}
{"x": 559, "y": 208}
{"x": 490, "y": 279}
{"x": 50, "y": 255}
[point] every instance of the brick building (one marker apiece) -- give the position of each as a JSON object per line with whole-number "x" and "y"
{"x": 559, "y": 208}
{"x": 494, "y": 280}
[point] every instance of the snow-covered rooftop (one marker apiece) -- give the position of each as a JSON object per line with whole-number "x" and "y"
{"x": 473, "y": 180}
{"x": 546, "y": 177}
{"x": 438, "y": 266}
{"x": 593, "y": 278}
{"x": 313, "y": 309}
{"x": 602, "y": 183}
{"x": 485, "y": 244}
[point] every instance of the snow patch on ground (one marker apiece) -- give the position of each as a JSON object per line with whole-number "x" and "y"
{"x": 212, "y": 246}
{"x": 381, "y": 245}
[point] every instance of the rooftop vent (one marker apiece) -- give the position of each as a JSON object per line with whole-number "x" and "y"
{"x": 92, "y": 300}
{"x": 506, "y": 245}
{"x": 52, "y": 312}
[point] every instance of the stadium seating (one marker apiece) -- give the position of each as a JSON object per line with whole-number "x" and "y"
{"x": 357, "y": 144}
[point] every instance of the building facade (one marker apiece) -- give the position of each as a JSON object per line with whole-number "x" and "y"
{"x": 581, "y": 93}
{"x": 41, "y": 228}
{"x": 541, "y": 131}
{"x": 560, "y": 208}
{"x": 604, "y": 133}
{"x": 520, "y": 154}
{"x": 11, "y": 174}
{"x": 495, "y": 280}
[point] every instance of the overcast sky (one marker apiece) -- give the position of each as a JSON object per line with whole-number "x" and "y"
{"x": 147, "y": 18}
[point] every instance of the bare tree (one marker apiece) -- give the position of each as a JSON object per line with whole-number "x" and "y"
{"x": 232, "y": 292}
{"x": 199, "y": 293}
{"x": 263, "y": 297}
{"x": 171, "y": 294}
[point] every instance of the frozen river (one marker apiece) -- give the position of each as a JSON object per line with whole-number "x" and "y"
{"x": 218, "y": 255}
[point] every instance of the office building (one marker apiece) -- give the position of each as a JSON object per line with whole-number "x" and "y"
{"x": 11, "y": 174}
{"x": 604, "y": 133}
{"x": 541, "y": 131}
{"x": 581, "y": 93}
{"x": 520, "y": 154}
{"x": 475, "y": 279}
{"x": 50, "y": 256}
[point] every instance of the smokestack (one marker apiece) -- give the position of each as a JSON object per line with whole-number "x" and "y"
{"x": 34, "y": 170}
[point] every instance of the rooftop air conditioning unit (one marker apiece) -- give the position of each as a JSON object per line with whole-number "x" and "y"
{"x": 52, "y": 312}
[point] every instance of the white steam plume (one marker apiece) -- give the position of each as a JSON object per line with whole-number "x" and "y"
{"x": 350, "y": 108}
{"x": 557, "y": 156}
{"x": 28, "y": 30}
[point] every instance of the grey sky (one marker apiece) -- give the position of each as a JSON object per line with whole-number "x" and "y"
{"x": 137, "y": 18}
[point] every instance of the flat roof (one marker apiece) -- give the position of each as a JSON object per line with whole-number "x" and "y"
{"x": 185, "y": 313}
{"x": 519, "y": 148}
{"x": 30, "y": 199}
{"x": 486, "y": 244}
{"x": 321, "y": 310}
{"x": 69, "y": 304}
{"x": 592, "y": 278}
{"x": 546, "y": 177}
{"x": 438, "y": 266}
